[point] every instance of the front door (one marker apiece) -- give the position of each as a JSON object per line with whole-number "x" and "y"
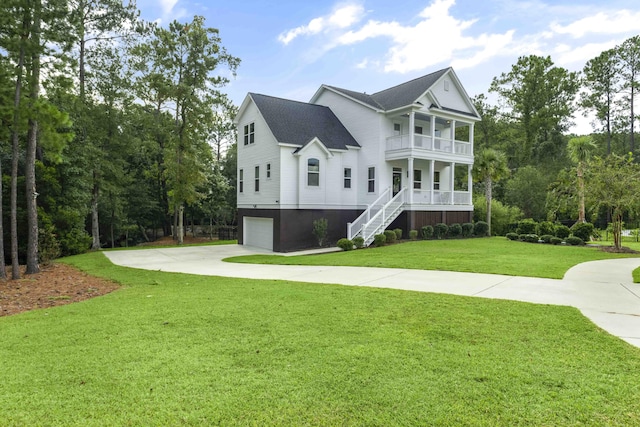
{"x": 397, "y": 180}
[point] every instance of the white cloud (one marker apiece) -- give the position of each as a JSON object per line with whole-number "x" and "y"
{"x": 343, "y": 16}
{"x": 619, "y": 22}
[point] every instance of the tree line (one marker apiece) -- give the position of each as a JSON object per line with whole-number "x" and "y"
{"x": 111, "y": 126}
{"x": 528, "y": 165}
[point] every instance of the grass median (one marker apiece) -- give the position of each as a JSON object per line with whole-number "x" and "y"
{"x": 177, "y": 349}
{"x": 495, "y": 255}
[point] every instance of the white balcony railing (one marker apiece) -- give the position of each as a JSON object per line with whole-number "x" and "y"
{"x": 424, "y": 197}
{"x": 423, "y": 142}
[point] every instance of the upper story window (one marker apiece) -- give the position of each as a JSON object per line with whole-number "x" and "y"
{"x": 347, "y": 177}
{"x": 397, "y": 129}
{"x": 257, "y": 179}
{"x": 371, "y": 180}
{"x": 436, "y": 180}
{"x": 249, "y": 134}
{"x": 241, "y": 180}
{"x": 417, "y": 179}
{"x": 313, "y": 172}
{"x": 268, "y": 170}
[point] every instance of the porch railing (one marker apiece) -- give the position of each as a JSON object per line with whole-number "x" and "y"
{"x": 444, "y": 145}
{"x": 423, "y": 197}
{"x": 354, "y": 228}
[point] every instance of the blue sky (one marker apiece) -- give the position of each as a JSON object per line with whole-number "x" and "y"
{"x": 289, "y": 48}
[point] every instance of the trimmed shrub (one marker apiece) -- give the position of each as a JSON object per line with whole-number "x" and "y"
{"x": 320, "y": 227}
{"x": 426, "y": 232}
{"x": 467, "y": 229}
{"x": 390, "y": 235}
{"x": 480, "y": 229}
{"x": 562, "y": 231}
{"x": 527, "y": 226}
{"x": 440, "y": 230}
{"x": 345, "y": 244}
{"x": 583, "y": 230}
{"x": 574, "y": 241}
{"x": 512, "y": 236}
{"x": 556, "y": 240}
{"x": 546, "y": 228}
{"x": 522, "y": 237}
{"x": 398, "y": 232}
{"x": 358, "y": 242}
{"x": 413, "y": 234}
{"x": 455, "y": 230}
{"x": 379, "y": 239}
{"x": 546, "y": 238}
{"x": 531, "y": 238}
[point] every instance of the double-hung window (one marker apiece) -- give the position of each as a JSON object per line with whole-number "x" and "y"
{"x": 347, "y": 177}
{"x": 268, "y": 170}
{"x": 249, "y": 134}
{"x": 417, "y": 179}
{"x": 313, "y": 172}
{"x": 257, "y": 179}
{"x": 371, "y": 180}
{"x": 436, "y": 180}
{"x": 241, "y": 180}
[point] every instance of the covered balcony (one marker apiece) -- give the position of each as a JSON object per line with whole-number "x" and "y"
{"x": 428, "y": 136}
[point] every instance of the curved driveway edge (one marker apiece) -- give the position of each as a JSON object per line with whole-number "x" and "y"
{"x": 602, "y": 290}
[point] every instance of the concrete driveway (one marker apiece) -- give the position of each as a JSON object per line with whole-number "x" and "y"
{"x": 602, "y": 290}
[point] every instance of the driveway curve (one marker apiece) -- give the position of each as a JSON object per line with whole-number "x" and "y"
{"x": 602, "y": 290}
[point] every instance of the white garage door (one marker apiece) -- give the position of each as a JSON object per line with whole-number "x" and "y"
{"x": 258, "y": 232}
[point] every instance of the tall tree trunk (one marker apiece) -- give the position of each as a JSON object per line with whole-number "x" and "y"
{"x": 3, "y": 272}
{"x": 181, "y": 225}
{"x": 15, "y": 152}
{"x": 95, "y": 224}
{"x": 581, "y": 209}
{"x": 488, "y": 191}
{"x": 30, "y": 155}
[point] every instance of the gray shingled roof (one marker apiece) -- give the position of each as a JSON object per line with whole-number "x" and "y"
{"x": 294, "y": 122}
{"x": 398, "y": 96}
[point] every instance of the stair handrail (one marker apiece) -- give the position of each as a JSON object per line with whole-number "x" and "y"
{"x": 365, "y": 216}
{"x": 382, "y": 212}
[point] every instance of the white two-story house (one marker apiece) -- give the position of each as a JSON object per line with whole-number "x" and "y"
{"x": 398, "y": 158}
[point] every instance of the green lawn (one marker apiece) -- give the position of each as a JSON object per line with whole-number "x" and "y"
{"x": 495, "y": 255}
{"x": 143, "y": 246}
{"x": 176, "y": 349}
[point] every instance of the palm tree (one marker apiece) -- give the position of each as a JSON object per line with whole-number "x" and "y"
{"x": 580, "y": 151}
{"x": 490, "y": 166}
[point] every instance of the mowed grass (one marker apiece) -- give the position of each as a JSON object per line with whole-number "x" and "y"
{"x": 495, "y": 255}
{"x": 177, "y": 349}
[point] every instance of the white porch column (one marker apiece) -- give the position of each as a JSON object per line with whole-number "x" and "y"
{"x": 432, "y": 168}
{"x": 410, "y": 184}
{"x": 470, "y": 183}
{"x": 452, "y": 178}
{"x": 471, "y": 136}
{"x": 433, "y": 132}
{"x": 453, "y": 136}
{"x": 412, "y": 127}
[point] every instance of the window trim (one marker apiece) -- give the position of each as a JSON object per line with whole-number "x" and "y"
{"x": 268, "y": 171}
{"x": 417, "y": 183}
{"x": 249, "y": 133}
{"x": 241, "y": 181}
{"x": 314, "y": 173}
{"x": 347, "y": 179}
{"x": 371, "y": 180}
{"x": 436, "y": 180}
{"x": 256, "y": 182}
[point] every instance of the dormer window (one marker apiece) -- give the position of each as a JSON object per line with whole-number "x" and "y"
{"x": 249, "y": 134}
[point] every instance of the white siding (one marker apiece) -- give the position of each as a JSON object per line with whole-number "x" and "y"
{"x": 453, "y": 98}
{"x": 264, "y": 150}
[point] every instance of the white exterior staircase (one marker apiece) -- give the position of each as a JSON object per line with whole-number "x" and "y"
{"x": 377, "y": 217}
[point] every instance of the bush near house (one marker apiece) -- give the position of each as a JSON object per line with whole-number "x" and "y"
{"x": 427, "y": 232}
{"x": 358, "y": 242}
{"x": 413, "y": 234}
{"x": 455, "y": 230}
{"x": 513, "y": 236}
{"x": 531, "y": 238}
{"x": 398, "y": 232}
{"x": 345, "y": 244}
{"x": 467, "y": 229}
{"x": 440, "y": 230}
{"x": 390, "y": 235}
{"x": 379, "y": 239}
{"x": 546, "y": 238}
{"x": 556, "y": 240}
